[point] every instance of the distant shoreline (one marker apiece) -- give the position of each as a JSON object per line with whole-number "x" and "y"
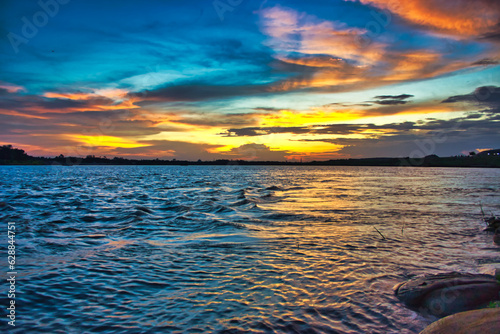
{"x": 489, "y": 159}
{"x": 381, "y": 162}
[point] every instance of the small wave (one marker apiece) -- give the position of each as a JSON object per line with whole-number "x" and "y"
{"x": 274, "y": 188}
{"x": 89, "y": 219}
{"x": 5, "y": 207}
{"x": 223, "y": 209}
{"x": 176, "y": 208}
{"x": 93, "y": 236}
{"x": 144, "y": 209}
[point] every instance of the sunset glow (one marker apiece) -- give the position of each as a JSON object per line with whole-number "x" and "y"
{"x": 277, "y": 80}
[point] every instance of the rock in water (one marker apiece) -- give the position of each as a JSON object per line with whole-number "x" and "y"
{"x": 496, "y": 237}
{"x": 485, "y": 321}
{"x": 445, "y": 294}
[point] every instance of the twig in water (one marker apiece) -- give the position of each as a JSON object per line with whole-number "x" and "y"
{"x": 481, "y": 206}
{"x": 379, "y": 232}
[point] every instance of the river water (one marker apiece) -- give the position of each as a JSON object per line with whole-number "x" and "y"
{"x": 236, "y": 249}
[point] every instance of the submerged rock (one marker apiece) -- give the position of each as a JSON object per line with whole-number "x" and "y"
{"x": 485, "y": 321}
{"x": 493, "y": 224}
{"x": 445, "y": 294}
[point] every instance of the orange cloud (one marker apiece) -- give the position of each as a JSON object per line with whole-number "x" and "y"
{"x": 100, "y": 99}
{"x": 463, "y": 17}
{"x": 16, "y": 113}
{"x": 335, "y": 58}
{"x": 69, "y": 96}
{"x": 113, "y": 94}
{"x": 412, "y": 64}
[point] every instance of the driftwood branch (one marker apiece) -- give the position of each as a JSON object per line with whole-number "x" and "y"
{"x": 379, "y": 232}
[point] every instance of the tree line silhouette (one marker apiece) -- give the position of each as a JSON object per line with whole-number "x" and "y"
{"x": 14, "y": 156}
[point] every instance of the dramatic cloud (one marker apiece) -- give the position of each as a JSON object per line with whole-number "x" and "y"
{"x": 331, "y": 53}
{"x": 456, "y": 17}
{"x": 293, "y": 32}
{"x": 313, "y": 80}
{"x": 335, "y": 57}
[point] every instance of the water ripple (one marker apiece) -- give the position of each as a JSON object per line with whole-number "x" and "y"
{"x": 231, "y": 249}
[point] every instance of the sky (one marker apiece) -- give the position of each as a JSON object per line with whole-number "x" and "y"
{"x": 254, "y": 80}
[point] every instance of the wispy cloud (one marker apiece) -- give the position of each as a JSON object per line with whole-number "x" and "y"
{"x": 10, "y": 88}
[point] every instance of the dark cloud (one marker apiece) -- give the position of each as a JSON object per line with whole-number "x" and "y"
{"x": 474, "y": 116}
{"x": 201, "y": 91}
{"x": 332, "y": 129}
{"x": 493, "y": 34}
{"x": 267, "y": 109}
{"x": 488, "y": 96}
{"x": 485, "y": 62}
{"x": 347, "y": 105}
{"x": 441, "y": 137}
{"x": 213, "y": 119}
{"x": 260, "y": 131}
{"x": 392, "y": 99}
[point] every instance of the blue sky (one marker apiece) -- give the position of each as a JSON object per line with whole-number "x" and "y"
{"x": 249, "y": 80}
